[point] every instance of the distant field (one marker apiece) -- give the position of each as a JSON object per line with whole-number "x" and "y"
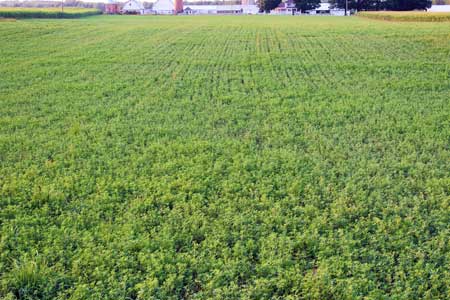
{"x": 408, "y": 16}
{"x": 224, "y": 157}
{"x": 69, "y": 12}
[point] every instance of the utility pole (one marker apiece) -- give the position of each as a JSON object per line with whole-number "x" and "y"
{"x": 346, "y": 7}
{"x": 62, "y": 5}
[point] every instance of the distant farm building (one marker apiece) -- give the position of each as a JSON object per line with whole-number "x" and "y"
{"x": 133, "y": 7}
{"x": 112, "y": 7}
{"x": 214, "y": 9}
{"x": 178, "y": 6}
{"x": 249, "y": 7}
{"x": 326, "y": 9}
{"x": 285, "y": 8}
{"x": 169, "y": 7}
{"x": 440, "y": 8}
{"x": 165, "y": 7}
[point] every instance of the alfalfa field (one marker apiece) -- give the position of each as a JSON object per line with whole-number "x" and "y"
{"x": 224, "y": 157}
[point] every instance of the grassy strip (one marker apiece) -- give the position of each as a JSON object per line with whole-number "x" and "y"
{"x": 46, "y": 13}
{"x": 409, "y": 16}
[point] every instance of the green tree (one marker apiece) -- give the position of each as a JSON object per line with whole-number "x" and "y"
{"x": 383, "y": 4}
{"x": 267, "y": 5}
{"x": 359, "y": 4}
{"x": 304, "y": 5}
{"x": 407, "y": 4}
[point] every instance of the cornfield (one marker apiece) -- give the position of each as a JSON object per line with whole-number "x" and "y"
{"x": 407, "y": 16}
{"x": 47, "y": 13}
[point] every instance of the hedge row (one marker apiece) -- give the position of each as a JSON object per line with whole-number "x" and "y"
{"x": 407, "y": 16}
{"x": 47, "y": 13}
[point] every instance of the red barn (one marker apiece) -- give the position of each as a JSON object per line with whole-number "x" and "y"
{"x": 112, "y": 8}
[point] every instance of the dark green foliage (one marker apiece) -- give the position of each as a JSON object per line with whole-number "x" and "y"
{"x": 359, "y": 4}
{"x": 383, "y": 4}
{"x": 407, "y": 4}
{"x": 304, "y": 5}
{"x": 267, "y": 5}
{"x": 219, "y": 157}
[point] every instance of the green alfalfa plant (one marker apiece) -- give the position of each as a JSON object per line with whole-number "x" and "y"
{"x": 279, "y": 164}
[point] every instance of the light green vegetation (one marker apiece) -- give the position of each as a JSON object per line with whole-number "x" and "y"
{"x": 214, "y": 157}
{"x": 407, "y": 16}
{"x": 52, "y": 13}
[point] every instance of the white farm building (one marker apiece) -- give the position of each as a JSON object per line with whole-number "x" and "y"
{"x": 133, "y": 7}
{"x": 169, "y": 7}
{"x": 163, "y": 7}
{"x": 326, "y": 9}
{"x": 166, "y": 7}
{"x": 440, "y": 8}
{"x": 221, "y": 9}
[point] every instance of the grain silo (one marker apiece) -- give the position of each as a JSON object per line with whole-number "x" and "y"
{"x": 178, "y": 7}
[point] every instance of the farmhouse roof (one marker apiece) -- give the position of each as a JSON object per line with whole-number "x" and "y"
{"x": 132, "y": 5}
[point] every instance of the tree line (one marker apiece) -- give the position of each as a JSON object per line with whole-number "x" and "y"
{"x": 383, "y": 4}
{"x": 305, "y": 5}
